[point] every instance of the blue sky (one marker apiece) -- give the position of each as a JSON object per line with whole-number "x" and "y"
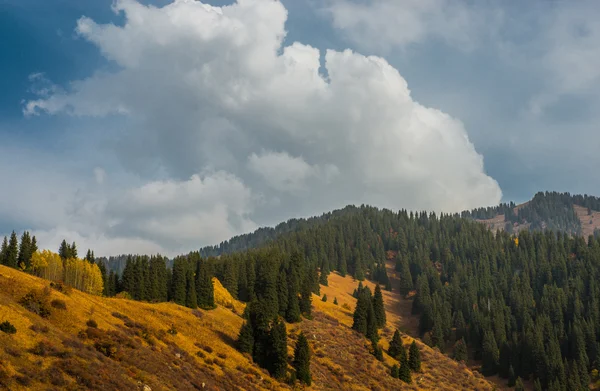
{"x": 201, "y": 123}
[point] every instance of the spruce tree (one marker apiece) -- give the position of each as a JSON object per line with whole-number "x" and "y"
{"x": 205, "y": 290}
{"x": 324, "y": 299}
{"x": 283, "y": 295}
{"x": 63, "y": 250}
{"x": 489, "y": 365}
{"x": 245, "y": 341}
{"x": 4, "y": 251}
{"x": 512, "y": 377}
{"x": 12, "y": 251}
{"x": 395, "y": 345}
{"x": 190, "y": 291}
{"x": 323, "y": 279}
{"x": 361, "y": 312}
{"x": 277, "y": 350}
{"x": 395, "y": 372}
{"x": 301, "y": 361}
{"x": 377, "y": 351}
{"x": 335, "y": 302}
{"x": 179, "y": 281}
{"x": 460, "y": 350}
{"x": 378, "y": 307}
{"x": 414, "y": 359}
{"x": 24, "y": 257}
{"x": 306, "y": 298}
{"x": 406, "y": 283}
{"x": 404, "y": 373}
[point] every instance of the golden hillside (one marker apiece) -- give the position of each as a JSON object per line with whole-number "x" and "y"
{"x": 168, "y": 347}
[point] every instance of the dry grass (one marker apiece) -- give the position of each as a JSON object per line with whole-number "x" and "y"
{"x": 131, "y": 345}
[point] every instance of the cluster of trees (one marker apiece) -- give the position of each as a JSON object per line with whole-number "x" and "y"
{"x": 65, "y": 266}
{"x": 15, "y": 254}
{"x": 531, "y": 306}
{"x": 490, "y": 212}
{"x": 280, "y": 290}
{"x": 410, "y": 361}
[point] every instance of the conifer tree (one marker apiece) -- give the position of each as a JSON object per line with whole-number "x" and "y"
{"x": 414, "y": 359}
{"x": 24, "y": 257}
{"x": 190, "y": 291}
{"x": 335, "y": 302}
{"x": 460, "y": 350}
{"x": 4, "y": 251}
{"x": 404, "y": 372}
{"x": 395, "y": 371}
{"x": 277, "y": 350}
{"x": 490, "y": 355}
{"x": 283, "y": 295}
{"x": 395, "y": 345}
{"x": 324, "y": 299}
{"x": 179, "y": 281}
{"x": 63, "y": 251}
{"x": 377, "y": 351}
{"x": 323, "y": 278}
{"x": 12, "y": 252}
{"x": 378, "y": 307}
{"x": 361, "y": 312}
{"x": 406, "y": 283}
{"x": 301, "y": 361}
{"x": 205, "y": 290}
{"x": 245, "y": 341}
{"x": 512, "y": 377}
{"x": 306, "y": 298}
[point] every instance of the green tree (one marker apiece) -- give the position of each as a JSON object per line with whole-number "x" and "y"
{"x": 179, "y": 281}
{"x": 306, "y": 298}
{"x": 378, "y": 307}
{"x": 245, "y": 341}
{"x": 25, "y": 253}
{"x": 205, "y": 290}
{"x": 460, "y": 350}
{"x": 512, "y": 377}
{"x": 335, "y": 302}
{"x": 63, "y": 250}
{"x": 324, "y": 299}
{"x": 12, "y": 252}
{"x": 190, "y": 291}
{"x": 395, "y": 372}
{"x": 4, "y": 251}
{"x": 361, "y": 312}
{"x": 404, "y": 373}
{"x": 414, "y": 359}
{"x": 491, "y": 355}
{"x": 277, "y": 351}
{"x": 301, "y": 361}
{"x": 395, "y": 345}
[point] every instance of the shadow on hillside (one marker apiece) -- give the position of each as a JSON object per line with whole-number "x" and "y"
{"x": 225, "y": 338}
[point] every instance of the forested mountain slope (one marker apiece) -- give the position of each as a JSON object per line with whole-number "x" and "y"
{"x": 576, "y": 214}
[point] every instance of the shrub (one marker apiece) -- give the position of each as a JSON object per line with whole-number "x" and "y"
{"x": 59, "y": 304}
{"x": 38, "y": 328}
{"x": 108, "y": 348}
{"x": 92, "y": 323}
{"x": 346, "y": 306}
{"x": 61, "y": 287}
{"x": 8, "y": 327}
{"x": 172, "y": 330}
{"x": 37, "y": 302}
{"x": 44, "y": 349}
{"x": 12, "y": 352}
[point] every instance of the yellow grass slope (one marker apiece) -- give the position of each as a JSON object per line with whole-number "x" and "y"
{"x": 168, "y": 347}
{"x": 341, "y": 355}
{"x": 62, "y": 352}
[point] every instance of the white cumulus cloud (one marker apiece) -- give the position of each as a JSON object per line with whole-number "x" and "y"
{"x": 213, "y": 90}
